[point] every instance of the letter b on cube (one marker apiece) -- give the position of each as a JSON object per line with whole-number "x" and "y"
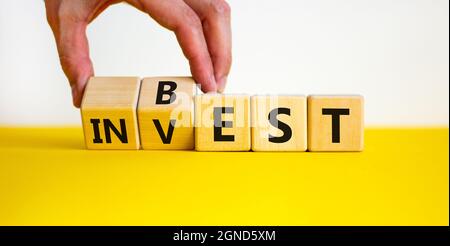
{"x": 165, "y": 113}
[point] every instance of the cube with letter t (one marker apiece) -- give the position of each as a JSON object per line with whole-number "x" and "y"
{"x": 335, "y": 123}
{"x": 165, "y": 113}
{"x": 108, "y": 113}
{"x": 222, "y": 122}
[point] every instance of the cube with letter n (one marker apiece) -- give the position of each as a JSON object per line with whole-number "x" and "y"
{"x": 108, "y": 112}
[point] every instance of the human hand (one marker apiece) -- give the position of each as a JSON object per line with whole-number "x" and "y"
{"x": 202, "y": 28}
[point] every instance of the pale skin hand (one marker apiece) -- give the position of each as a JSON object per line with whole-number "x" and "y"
{"x": 202, "y": 28}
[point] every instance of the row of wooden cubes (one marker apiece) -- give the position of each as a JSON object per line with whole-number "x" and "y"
{"x": 166, "y": 113}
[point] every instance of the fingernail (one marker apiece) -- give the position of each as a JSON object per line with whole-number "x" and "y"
{"x": 210, "y": 86}
{"x": 221, "y": 84}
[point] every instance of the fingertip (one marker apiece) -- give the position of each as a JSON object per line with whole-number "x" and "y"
{"x": 204, "y": 78}
{"x": 221, "y": 84}
{"x": 76, "y": 104}
{"x": 208, "y": 87}
{"x": 76, "y": 99}
{"x": 78, "y": 92}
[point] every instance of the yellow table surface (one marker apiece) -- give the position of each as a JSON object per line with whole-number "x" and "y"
{"x": 47, "y": 177}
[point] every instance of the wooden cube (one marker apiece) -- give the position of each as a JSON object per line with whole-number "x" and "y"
{"x": 335, "y": 123}
{"x": 108, "y": 112}
{"x": 165, "y": 113}
{"x": 222, "y": 122}
{"x": 279, "y": 123}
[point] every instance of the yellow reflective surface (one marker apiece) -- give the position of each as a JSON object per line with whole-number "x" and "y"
{"x": 47, "y": 177}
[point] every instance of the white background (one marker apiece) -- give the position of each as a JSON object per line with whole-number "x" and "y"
{"x": 394, "y": 52}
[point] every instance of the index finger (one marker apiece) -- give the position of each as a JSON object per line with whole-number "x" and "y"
{"x": 216, "y": 19}
{"x": 177, "y": 16}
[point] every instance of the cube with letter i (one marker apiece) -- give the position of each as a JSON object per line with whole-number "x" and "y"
{"x": 108, "y": 112}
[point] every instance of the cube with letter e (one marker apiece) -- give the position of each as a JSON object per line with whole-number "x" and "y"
{"x": 222, "y": 122}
